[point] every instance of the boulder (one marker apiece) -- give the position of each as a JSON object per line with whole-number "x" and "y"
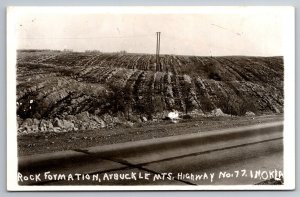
{"x": 249, "y": 113}
{"x": 130, "y": 123}
{"x": 27, "y": 122}
{"x": 36, "y": 121}
{"x": 19, "y": 121}
{"x": 91, "y": 124}
{"x": 83, "y": 116}
{"x": 217, "y": 112}
{"x": 50, "y": 125}
{"x": 56, "y": 129}
{"x": 102, "y": 124}
{"x": 197, "y": 112}
{"x": 35, "y": 128}
{"x": 43, "y": 129}
{"x": 68, "y": 125}
{"x": 58, "y": 123}
{"x": 45, "y": 125}
{"x": 63, "y": 124}
{"x": 83, "y": 127}
{"x": 144, "y": 119}
{"x": 70, "y": 117}
{"x": 116, "y": 121}
{"x": 95, "y": 118}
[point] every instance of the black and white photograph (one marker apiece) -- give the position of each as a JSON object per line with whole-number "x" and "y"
{"x": 150, "y": 98}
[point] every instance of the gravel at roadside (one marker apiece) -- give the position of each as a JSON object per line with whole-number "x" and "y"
{"x": 50, "y": 142}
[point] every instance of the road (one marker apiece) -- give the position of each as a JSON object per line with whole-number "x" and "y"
{"x": 236, "y": 156}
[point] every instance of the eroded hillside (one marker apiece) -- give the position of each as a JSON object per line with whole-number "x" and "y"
{"x": 92, "y": 90}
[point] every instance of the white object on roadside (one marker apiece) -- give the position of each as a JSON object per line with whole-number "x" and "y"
{"x": 173, "y": 115}
{"x": 31, "y": 101}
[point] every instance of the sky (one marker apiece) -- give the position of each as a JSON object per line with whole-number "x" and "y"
{"x": 208, "y": 33}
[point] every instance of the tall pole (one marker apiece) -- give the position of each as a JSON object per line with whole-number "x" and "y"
{"x": 157, "y": 50}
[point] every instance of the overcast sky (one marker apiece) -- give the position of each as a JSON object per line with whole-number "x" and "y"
{"x": 241, "y": 33}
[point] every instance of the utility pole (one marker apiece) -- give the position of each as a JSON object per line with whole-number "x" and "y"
{"x": 158, "y": 68}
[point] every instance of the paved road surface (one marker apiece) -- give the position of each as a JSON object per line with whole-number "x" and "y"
{"x": 237, "y": 156}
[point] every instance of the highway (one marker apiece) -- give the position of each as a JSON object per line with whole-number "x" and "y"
{"x": 236, "y": 156}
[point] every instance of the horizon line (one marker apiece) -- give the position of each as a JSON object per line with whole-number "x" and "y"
{"x": 140, "y": 53}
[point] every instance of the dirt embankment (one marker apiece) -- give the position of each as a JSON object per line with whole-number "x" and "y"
{"x": 68, "y": 91}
